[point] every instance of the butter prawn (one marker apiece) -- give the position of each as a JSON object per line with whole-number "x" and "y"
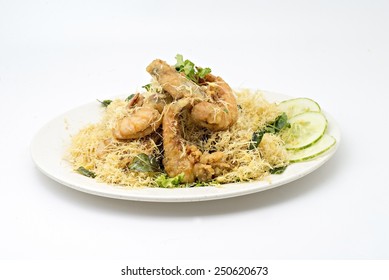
{"x": 181, "y": 157}
{"x": 221, "y": 111}
{"x": 191, "y": 122}
{"x": 144, "y": 117}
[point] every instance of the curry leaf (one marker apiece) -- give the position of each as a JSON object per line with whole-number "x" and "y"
{"x": 147, "y": 87}
{"x": 105, "y": 102}
{"x": 279, "y": 123}
{"x": 129, "y": 97}
{"x": 82, "y": 170}
{"x": 256, "y": 139}
{"x": 145, "y": 163}
{"x": 277, "y": 170}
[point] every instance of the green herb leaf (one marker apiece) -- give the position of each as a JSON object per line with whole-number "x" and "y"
{"x": 278, "y": 170}
{"x": 188, "y": 68}
{"x": 105, "y": 102}
{"x": 147, "y": 87}
{"x": 280, "y": 123}
{"x": 192, "y": 72}
{"x": 129, "y": 97}
{"x": 270, "y": 129}
{"x": 203, "y": 184}
{"x": 180, "y": 61}
{"x": 145, "y": 163}
{"x": 256, "y": 139}
{"x": 202, "y": 72}
{"x": 165, "y": 182}
{"x": 82, "y": 170}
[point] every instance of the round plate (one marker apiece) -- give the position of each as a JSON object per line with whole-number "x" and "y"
{"x": 50, "y": 143}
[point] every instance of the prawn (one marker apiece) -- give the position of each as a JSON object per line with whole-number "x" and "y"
{"x": 145, "y": 117}
{"x": 181, "y": 157}
{"x": 175, "y": 83}
{"x": 220, "y": 113}
{"x": 216, "y": 107}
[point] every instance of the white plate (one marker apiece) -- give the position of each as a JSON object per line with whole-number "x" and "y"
{"x": 49, "y": 145}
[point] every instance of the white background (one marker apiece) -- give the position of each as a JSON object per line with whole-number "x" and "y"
{"x": 58, "y": 55}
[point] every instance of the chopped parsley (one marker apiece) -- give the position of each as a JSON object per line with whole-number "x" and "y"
{"x": 191, "y": 71}
{"x": 165, "y": 182}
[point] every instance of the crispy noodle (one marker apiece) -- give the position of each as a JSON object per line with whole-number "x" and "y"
{"x": 94, "y": 148}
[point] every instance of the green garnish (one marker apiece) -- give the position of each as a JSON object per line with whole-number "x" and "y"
{"x": 279, "y": 123}
{"x": 147, "y": 87}
{"x": 105, "y": 102}
{"x": 192, "y": 72}
{"x": 202, "y": 72}
{"x": 82, "y": 170}
{"x": 145, "y": 163}
{"x": 165, "y": 182}
{"x": 256, "y": 139}
{"x": 129, "y": 97}
{"x": 203, "y": 184}
{"x": 278, "y": 170}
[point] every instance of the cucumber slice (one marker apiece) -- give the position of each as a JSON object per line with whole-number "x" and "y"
{"x": 305, "y": 129}
{"x": 294, "y": 107}
{"x": 321, "y": 146}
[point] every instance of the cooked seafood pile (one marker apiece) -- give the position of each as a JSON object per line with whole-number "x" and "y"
{"x": 187, "y": 128}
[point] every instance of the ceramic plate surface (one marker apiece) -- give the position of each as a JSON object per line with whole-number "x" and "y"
{"x": 49, "y": 145}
